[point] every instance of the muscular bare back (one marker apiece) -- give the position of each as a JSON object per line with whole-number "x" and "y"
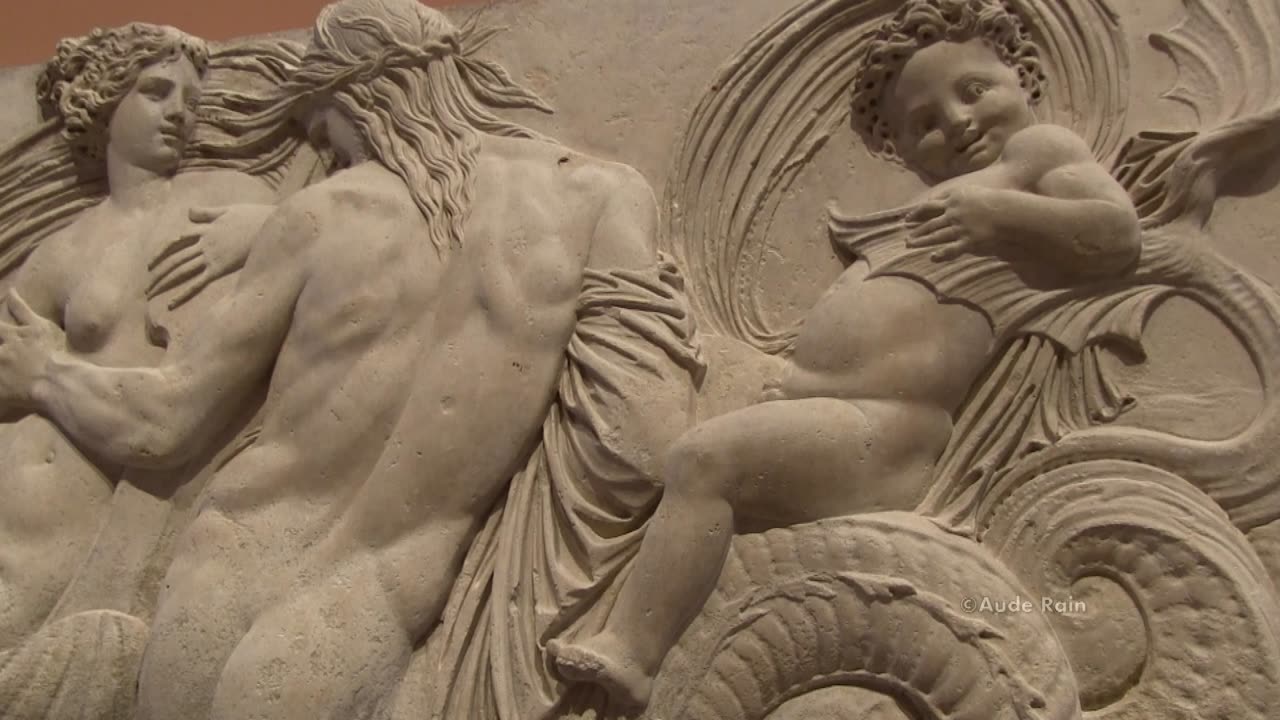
{"x": 390, "y": 339}
{"x": 490, "y": 360}
{"x": 410, "y": 386}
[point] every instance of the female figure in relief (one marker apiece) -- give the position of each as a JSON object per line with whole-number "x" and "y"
{"x": 120, "y": 265}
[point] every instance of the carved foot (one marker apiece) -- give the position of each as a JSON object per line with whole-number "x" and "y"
{"x": 601, "y": 660}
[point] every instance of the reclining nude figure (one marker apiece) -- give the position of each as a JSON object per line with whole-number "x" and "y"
{"x": 881, "y": 365}
{"x": 412, "y": 312}
{"x": 122, "y": 105}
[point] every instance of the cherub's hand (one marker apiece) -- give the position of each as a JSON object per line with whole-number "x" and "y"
{"x": 215, "y": 243}
{"x": 956, "y": 221}
{"x": 26, "y": 345}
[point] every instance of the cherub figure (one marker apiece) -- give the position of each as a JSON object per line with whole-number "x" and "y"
{"x": 882, "y": 363}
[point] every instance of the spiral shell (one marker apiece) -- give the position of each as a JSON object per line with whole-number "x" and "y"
{"x": 1187, "y": 623}
{"x": 83, "y": 666}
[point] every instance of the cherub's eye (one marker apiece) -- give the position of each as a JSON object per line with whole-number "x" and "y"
{"x": 925, "y": 125}
{"x": 975, "y": 89}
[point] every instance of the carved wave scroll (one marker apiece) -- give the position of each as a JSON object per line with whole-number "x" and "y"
{"x": 1145, "y": 544}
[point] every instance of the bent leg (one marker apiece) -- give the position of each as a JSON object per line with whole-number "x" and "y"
{"x": 777, "y": 463}
{"x": 336, "y": 650}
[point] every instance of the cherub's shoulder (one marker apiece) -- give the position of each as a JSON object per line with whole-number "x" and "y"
{"x": 1046, "y": 146}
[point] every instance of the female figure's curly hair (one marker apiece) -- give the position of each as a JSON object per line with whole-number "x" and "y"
{"x": 921, "y": 23}
{"x": 89, "y": 76}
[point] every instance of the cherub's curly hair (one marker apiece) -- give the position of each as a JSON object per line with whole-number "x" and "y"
{"x": 89, "y": 76}
{"x": 921, "y": 23}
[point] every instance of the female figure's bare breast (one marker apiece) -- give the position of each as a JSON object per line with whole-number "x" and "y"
{"x": 105, "y": 315}
{"x": 55, "y": 492}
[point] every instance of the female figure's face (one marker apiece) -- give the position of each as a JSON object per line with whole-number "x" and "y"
{"x": 954, "y": 107}
{"x": 153, "y": 121}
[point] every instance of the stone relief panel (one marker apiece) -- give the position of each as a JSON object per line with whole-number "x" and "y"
{"x": 334, "y": 385}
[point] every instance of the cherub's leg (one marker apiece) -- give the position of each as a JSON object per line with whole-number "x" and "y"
{"x": 777, "y": 463}
{"x": 337, "y": 649}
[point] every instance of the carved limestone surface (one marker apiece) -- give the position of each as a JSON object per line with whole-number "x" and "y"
{"x": 893, "y": 365}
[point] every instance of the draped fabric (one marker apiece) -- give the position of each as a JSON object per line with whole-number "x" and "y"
{"x": 553, "y": 553}
{"x": 1017, "y": 298}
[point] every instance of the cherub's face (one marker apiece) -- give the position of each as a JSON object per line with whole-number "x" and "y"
{"x": 953, "y": 107}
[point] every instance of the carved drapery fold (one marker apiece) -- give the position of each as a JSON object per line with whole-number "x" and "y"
{"x": 551, "y": 556}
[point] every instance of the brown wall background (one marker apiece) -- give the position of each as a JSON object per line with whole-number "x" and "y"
{"x": 29, "y": 29}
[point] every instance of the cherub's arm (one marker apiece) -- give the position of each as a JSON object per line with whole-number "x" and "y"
{"x": 1075, "y": 212}
{"x": 1055, "y": 204}
{"x": 158, "y": 416}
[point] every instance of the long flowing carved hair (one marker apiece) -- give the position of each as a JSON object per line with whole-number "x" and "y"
{"x": 411, "y": 83}
{"x": 51, "y": 174}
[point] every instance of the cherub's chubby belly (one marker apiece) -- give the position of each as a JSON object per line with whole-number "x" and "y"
{"x": 887, "y": 338}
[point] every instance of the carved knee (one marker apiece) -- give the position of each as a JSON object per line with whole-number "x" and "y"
{"x": 697, "y": 465}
